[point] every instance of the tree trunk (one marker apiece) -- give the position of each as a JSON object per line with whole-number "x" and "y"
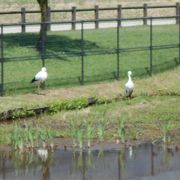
{"x": 43, "y": 4}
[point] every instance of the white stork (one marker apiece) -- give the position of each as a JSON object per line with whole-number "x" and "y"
{"x": 129, "y": 86}
{"x": 40, "y": 77}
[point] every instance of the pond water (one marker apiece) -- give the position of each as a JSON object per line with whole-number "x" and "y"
{"x": 145, "y": 162}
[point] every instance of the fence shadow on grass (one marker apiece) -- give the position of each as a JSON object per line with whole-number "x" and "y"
{"x": 166, "y": 65}
{"x": 22, "y": 88}
{"x": 18, "y": 87}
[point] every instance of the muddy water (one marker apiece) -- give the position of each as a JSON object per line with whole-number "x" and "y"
{"x": 145, "y": 162}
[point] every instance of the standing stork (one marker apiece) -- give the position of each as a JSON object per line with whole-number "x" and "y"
{"x": 40, "y": 77}
{"x": 129, "y": 86}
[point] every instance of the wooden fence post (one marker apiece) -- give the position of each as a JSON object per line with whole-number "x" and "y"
{"x": 177, "y": 13}
{"x": 96, "y": 11}
{"x": 49, "y": 18}
{"x": 23, "y": 20}
{"x": 119, "y": 14}
{"x": 73, "y": 26}
{"x": 145, "y": 13}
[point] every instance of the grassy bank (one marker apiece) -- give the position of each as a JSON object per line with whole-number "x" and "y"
{"x": 152, "y": 114}
{"x": 166, "y": 83}
{"x": 141, "y": 119}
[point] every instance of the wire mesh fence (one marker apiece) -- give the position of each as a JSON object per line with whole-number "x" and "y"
{"x": 88, "y": 54}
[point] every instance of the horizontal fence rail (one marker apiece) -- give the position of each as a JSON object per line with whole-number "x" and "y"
{"x": 92, "y": 20}
{"x": 44, "y": 55}
{"x": 96, "y": 10}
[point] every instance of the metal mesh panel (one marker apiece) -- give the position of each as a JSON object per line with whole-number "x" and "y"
{"x": 88, "y": 55}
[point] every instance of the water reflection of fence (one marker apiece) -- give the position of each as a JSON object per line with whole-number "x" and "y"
{"x": 146, "y": 161}
{"x": 82, "y": 52}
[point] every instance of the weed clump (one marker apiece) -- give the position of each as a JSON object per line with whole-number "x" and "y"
{"x": 28, "y": 137}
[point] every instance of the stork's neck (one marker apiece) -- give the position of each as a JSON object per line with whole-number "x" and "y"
{"x": 129, "y": 76}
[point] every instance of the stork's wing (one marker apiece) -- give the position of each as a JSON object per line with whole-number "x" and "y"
{"x": 38, "y": 76}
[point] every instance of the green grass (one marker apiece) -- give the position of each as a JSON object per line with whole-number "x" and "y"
{"x": 64, "y": 68}
{"x": 165, "y": 83}
{"x": 153, "y": 113}
{"x": 26, "y": 137}
{"x": 143, "y": 118}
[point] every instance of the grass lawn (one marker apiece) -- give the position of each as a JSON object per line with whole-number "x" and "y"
{"x": 152, "y": 114}
{"x": 100, "y": 61}
{"x": 145, "y": 118}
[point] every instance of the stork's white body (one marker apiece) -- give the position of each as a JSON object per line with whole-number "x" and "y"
{"x": 41, "y": 76}
{"x": 129, "y": 86}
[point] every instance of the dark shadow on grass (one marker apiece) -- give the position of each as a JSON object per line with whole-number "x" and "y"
{"x": 167, "y": 65}
{"x": 57, "y": 46}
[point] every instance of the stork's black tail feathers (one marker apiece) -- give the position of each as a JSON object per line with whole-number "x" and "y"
{"x": 33, "y": 80}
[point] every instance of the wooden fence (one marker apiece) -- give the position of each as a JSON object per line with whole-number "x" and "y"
{"x": 97, "y": 10}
